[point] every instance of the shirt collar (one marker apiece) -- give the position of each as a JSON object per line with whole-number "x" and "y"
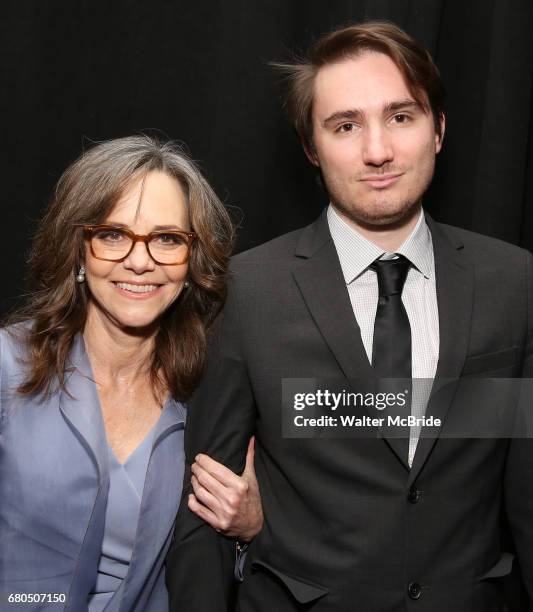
{"x": 173, "y": 414}
{"x": 356, "y": 253}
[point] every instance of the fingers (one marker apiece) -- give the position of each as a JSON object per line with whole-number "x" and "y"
{"x": 224, "y": 519}
{"x": 229, "y": 494}
{"x": 203, "y": 512}
{"x": 223, "y": 474}
{"x": 207, "y": 481}
{"x": 204, "y": 496}
{"x": 208, "y": 508}
{"x": 231, "y": 504}
{"x": 225, "y": 504}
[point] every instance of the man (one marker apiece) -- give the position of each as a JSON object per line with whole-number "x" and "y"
{"x": 374, "y": 287}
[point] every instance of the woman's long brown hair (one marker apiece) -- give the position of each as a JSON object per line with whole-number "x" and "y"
{"x": 57, "y": 307}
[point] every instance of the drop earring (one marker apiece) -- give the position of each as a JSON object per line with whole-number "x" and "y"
{"x": 80, "y": 277}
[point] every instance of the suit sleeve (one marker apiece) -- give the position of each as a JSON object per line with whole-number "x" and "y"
{"x": 220, "y": 421}
{"x": 519, "y": 469}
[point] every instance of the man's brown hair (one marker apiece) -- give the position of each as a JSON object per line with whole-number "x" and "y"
{"x": 410, "y": 57}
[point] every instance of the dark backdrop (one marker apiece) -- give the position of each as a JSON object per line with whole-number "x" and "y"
{"x": 77, "y": 71}
{"x": 80, "y": 71}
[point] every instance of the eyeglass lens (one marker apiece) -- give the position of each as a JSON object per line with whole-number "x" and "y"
{"x": 165, "y": 248}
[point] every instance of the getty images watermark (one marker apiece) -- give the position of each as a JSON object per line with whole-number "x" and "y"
{"x": 454, "y": 408}
{"x": 380, "y": 401}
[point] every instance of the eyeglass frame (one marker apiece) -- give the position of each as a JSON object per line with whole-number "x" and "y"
{"x": 191, "y": 237}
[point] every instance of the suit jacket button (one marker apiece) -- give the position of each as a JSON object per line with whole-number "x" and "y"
{"x": 414, "y": 495}
{"x": 414, "y": 590}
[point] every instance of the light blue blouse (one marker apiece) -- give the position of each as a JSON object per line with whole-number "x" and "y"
{"x": 126, "y": 482}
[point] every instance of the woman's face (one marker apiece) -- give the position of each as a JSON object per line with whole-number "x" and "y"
{"x": 135, "y": 292}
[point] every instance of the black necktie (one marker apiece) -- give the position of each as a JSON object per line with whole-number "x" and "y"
{"x": 391, "y": 348}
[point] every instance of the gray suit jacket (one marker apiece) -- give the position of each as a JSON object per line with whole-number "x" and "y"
{"x": 348, "y": 526}
{"x": 54, "y": 482}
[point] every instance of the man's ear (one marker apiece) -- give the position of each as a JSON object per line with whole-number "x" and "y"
{"x": 440, "y": 137}
{"x": 310, "y": 152}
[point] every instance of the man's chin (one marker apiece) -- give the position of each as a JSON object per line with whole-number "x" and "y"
{"x": 380, "y": 216}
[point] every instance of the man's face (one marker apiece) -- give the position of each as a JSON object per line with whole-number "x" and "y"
{"x": 374, "y": 144}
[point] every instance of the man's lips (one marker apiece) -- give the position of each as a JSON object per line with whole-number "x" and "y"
{"x": 380, "y": 181}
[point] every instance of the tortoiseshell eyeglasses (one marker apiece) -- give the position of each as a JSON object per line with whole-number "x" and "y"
{"x": 112, "y": 243}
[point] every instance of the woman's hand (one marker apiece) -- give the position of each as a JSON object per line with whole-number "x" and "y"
{"x": 229, "y": 503}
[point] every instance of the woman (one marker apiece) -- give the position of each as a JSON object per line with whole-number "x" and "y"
{"x": 128, "y": 266}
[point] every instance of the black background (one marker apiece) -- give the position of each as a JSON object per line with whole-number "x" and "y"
{"x": 196, "y": 71}
{"x": 77, "y": 72}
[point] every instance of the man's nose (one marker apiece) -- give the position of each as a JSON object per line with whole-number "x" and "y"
{"x": 139, "y": 259}
{"x": 377, "y": 147}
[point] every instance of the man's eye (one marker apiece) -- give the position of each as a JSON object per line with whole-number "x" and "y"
{"x": 346, "y": 127}
{"x": 401, "y": 118}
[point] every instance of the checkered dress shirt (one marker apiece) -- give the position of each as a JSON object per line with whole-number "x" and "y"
{"x": 419, "y": 297}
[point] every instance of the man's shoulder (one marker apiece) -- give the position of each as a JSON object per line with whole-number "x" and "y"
{"x": 480, "y": 245}
{"x": 267, "y": 269}
{"x": 278, "y": 249}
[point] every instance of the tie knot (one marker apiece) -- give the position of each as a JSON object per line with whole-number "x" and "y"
{"x": 391, "y": 275}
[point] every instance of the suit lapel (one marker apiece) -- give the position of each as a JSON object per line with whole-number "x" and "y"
{"x": 80, "y": 407}
{"x": 455, "y": 291}
{"x": 319, "y": 278}
{"x": 160, "y": 501}
{"x": 323, "y": 288}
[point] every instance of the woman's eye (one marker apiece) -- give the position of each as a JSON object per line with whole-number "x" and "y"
{"x": 110, "y": 236}
{"x": 169, "y": 239}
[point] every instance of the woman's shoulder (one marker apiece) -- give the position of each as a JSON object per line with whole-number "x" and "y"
{"x": 13, "y": 349}
{"x": 12, "y": 366}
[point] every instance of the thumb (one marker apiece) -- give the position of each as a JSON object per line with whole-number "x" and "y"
{"x": 249, "y": 467}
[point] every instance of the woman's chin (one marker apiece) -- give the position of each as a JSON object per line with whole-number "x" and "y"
{"x": 140, "y": 327}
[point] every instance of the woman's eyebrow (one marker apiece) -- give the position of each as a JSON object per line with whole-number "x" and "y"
{"x": 166, "y": 227}
{"x": 156, "y": 228}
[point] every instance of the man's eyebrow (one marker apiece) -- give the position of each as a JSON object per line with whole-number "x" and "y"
{"x": 355, "y": 113}
{"x": 402, "y": 105}
{"x": 348, "y": 115}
